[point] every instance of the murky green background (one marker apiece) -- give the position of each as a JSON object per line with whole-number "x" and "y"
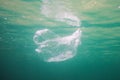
{"x": 98, "y": 57}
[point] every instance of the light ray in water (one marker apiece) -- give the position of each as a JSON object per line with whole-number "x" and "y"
{"x": 53, "y": 47}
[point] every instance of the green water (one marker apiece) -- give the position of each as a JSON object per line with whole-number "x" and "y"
{"x": 98, "y": 55}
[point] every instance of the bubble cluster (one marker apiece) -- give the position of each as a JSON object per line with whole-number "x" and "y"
{"x": 55, "y": 48}
{"x": 59, "y": 11}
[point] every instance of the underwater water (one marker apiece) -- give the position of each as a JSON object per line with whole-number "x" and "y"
{"x": 59, "y": 40}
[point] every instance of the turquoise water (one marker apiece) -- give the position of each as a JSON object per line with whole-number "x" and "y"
{"x": 97, "y": 56}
